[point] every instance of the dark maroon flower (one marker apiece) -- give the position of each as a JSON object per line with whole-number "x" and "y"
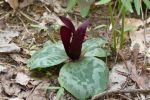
{"x": 72, "y": 39}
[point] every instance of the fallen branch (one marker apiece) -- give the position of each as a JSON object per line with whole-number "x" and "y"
{"x": 119, "y": 92}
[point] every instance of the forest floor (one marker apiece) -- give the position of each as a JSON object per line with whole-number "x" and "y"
{"x": 23, "y": 31}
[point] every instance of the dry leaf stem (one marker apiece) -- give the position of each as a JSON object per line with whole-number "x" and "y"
{"x": 98, "y": 96}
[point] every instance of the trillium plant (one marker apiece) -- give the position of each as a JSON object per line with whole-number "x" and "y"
{"x": 72, "y": 39}
{"x": 83, "y": 74}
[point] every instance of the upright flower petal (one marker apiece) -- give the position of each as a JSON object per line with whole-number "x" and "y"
{"x": 68, "y": 23}
{"x": 65, "y": 33}
{"x": 77, "y": 40}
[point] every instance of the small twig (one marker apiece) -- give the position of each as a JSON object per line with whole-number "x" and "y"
{"x": 135, "y": 53}
{"x": 32, "y": 42}
{"x": 145, "y": 40}
{"x": 47, "y": 9}
{"x": 125, "y": 97}
{"x": 139, "y": 98}
{"x": 2, "y": 31}
{"x": 25, "y": 15}
{"x": 14, "y": 66}
{"x": 33, "y": 89}
{"x": 1, "y": 2}
{"x": 26, "y": 31}
{"x": 4, "y": 16}
{"x": 114, "y": 8}
{"x": 24, "y": 25}
{"x": 116, "y": 57}
{"x": 2, "y": 13}
{"x": 122, "y": 57}
{"x": 120, "y": 11}
{"x": 110, "y": 92}
{"x": 75, "y": 14}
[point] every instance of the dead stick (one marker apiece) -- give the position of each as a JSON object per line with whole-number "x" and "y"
{"x": 31, "y": 19}
{"x": 119, "y": 91}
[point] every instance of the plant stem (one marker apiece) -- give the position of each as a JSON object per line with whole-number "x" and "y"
{"x": 122, "y": 28}
{"x": 113, "y": 26}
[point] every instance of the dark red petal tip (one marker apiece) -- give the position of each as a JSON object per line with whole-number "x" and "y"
{"x": 84, "y": 25}
{"x": 65, "y": 33}
{"x": 77, "y": 40}
{"x": 68, "y": 23}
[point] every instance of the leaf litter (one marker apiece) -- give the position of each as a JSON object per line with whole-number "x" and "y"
{"x": 5, "y": 39}
{"x": 15, "y": 81}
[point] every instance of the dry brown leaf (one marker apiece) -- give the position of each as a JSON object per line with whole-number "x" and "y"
{"x": 141, "y": 80}
{"x": 55, "y": 4}
{"x": 15, "y": 99}
{"x": 7, "y": 87}
{"x": 2, "y": 69}
{"x": 13, "y": 3}
{"x": 138, "y": 32}
{"x": 116, "y": 79}
{"x": 22, "y": 79}
{"x": 49, "y": 18}
{"x": 14, "y": 90}
{"x": 17, "y": 85}
{"x": 9, "y": 48}
{"x": 47, "y": 2}
{"x": 135, "y": 22}
{"x": 5, "y": 45}
{"x": 57, "y": 8}
{"x": 7, "y": 36}
{"x": 25, "y": 3}
{"x": 18, "y": 58}
{"x": 2, "y": 24}
{"x": 1, "y": 89}
{"x": 138, "y": 37}
{"x": 39, "y": 92}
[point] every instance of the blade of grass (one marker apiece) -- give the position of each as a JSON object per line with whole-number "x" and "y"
{"x": 122, "y": 28}
{"x": 113, "y": 26}
{"x": 147, "y": 3}
{"x": 101, "y": 2}
{"x": 137, "y": 6}
{"x": 60, "y": 93}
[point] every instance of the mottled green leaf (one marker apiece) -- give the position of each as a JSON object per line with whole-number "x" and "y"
{"x": 137, "y": 6}
{"x": 147, "y": 3}
{"x": 97, "y": 52}
{"x": 101, "y": 2}
{"x": 93, "y": 43}
{"x": 93, "y": 47}
{"x": 51, "y": 54}
{"x": 84, "y": 78}
{"x": 71, "y": 4}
